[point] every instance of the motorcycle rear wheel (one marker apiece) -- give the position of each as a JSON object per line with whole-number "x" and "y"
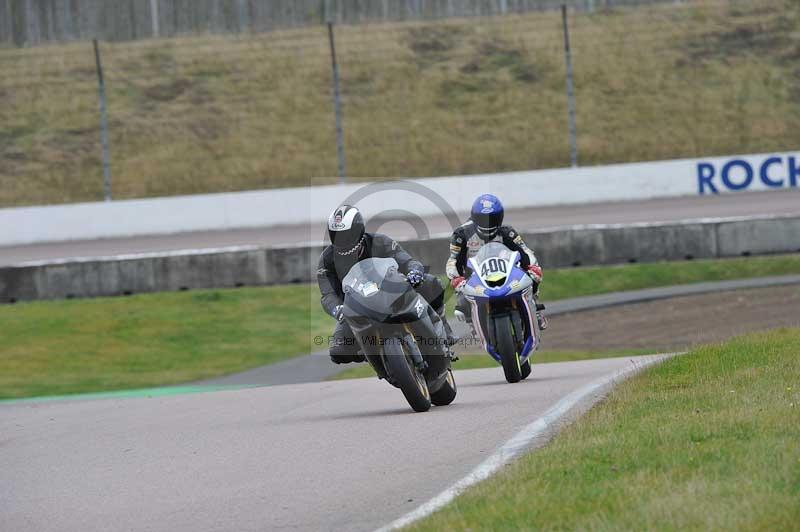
{"x": 406, "y": 376}
{"x": 447, "y": 393}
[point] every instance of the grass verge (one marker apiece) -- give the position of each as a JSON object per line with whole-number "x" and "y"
{"x": 76, "y": 346}
{"x": 706, "y": 441}
{"x": 63, "y": 347}
{"x": 565, "y": 283}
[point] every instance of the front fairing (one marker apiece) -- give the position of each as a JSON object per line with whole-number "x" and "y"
{"x": 498, "y": 287}
{"x": 374, "y": 289}
{"x": 519, "y": 307}
{"x": 496, "y": 273}
{"x": 379, "y": 302}
{"x": 383, "y": 307}
{"x": 515, "y": 282}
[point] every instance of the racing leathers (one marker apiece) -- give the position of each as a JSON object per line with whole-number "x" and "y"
{"x": 465, "y": 243}
{"x": 332, "y": 269}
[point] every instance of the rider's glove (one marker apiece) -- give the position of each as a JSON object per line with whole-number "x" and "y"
{"x": 458, "y": 283}
{"x": 535, "y": 271}
{"x": 415, "y": 278}
{"x": 338, "y": 312}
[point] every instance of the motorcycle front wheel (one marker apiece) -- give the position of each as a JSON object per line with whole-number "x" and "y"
{"x": 526, "y": 369}
{"x": 507, "y": 347}
{"x": 406, "y": 376}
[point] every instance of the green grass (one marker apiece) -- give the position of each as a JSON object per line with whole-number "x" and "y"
{"x": 565, "y": 283}
{"x": 706, "y": 441}
{"x": 75, "y": 346}
{"x": 218, "y": 113}
{"x": 52, "y": 348}
{"x": 476, "y": 360}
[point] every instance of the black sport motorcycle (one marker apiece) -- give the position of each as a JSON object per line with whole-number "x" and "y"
{"x": 401, "y": 336}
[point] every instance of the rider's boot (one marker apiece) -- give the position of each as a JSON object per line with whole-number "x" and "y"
{"x": 540, "y": 317}
{"x": 339, "y": 357}
{"x": 452, "y": 339}
{"x": 342, "y": 353}
{"x": 460, "y": 316}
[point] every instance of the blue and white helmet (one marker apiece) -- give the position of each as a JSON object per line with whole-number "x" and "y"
{"x": 487, "y": 215}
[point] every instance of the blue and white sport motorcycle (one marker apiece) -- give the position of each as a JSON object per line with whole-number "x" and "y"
{"x": 503, "y": 309}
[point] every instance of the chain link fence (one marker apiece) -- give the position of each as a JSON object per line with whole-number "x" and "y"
{"x": 217, "y": 113}
{"x": 31, "y": 22}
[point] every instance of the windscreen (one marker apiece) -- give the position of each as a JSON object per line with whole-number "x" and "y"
{"x": 374, "y": 288}
{"x": 366, "y": 276}
{"x": 493, "y": 249}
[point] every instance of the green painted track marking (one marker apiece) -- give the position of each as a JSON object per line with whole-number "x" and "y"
{"x": 126, "y": 394}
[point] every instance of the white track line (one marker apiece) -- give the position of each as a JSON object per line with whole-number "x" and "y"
{"x": 521, "y": 441}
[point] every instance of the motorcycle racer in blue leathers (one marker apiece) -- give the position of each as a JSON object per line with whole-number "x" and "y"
{"x": 486, "y": 225}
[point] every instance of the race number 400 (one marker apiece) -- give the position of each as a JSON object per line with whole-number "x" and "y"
{"x": 493, "y": 265}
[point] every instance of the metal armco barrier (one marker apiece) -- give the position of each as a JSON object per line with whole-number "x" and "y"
{"x": 253, "y": 266}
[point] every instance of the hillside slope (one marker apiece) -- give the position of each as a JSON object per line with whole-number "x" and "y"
{"x": 216, "y": 113}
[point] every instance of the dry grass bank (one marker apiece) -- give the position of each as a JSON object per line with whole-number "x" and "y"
{"x": 219, "y": 113}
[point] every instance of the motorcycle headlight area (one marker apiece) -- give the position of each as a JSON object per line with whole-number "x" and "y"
{"x": 495, "y": 280}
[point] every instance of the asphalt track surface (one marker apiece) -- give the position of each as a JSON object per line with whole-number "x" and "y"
{"x": 334, "y": 455}
{"x": 345, "y": 455}
{"x": 661, "y": 210}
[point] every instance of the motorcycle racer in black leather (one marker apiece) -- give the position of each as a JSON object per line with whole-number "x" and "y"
{"x": 350, "y": 243}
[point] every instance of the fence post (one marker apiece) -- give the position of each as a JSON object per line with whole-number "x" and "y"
{"x": 573, "y": 135}
{"x": 6, "y": 22}
{"x": 154, "y": 17}
{"x": 103, "y": 123}
{"x": 337, "y": 105}
{"x": 241, "y": 8}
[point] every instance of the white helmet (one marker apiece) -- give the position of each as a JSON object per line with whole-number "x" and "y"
{"x": 346, "y": 229}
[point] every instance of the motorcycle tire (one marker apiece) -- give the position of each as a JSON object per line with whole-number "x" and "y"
{"x": 526, "y": 369}
{"x": 405, "y": 376}
{"x": 507, "y": 348}
{"x": 447, "y": 393}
